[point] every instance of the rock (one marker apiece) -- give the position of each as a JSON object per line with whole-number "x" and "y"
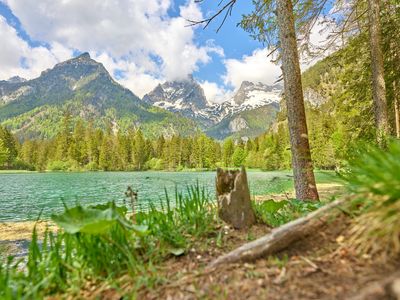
{"x": 233, "y": 195}
{"x": 238, "y": 124}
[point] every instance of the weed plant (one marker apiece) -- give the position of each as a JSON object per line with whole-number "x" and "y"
{"x": 374, "y": 178}
{"x": 103, "y": 243}
{"x": 276, "y": 213}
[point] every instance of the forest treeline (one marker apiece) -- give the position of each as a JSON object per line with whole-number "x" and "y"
{"x": 82, "y": 147}
{"x": 339, "y": 109}
{"x": 339, "y": 112}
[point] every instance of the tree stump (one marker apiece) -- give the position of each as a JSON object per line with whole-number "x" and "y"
{"x": 233, "y": 196}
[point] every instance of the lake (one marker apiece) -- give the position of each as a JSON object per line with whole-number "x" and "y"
{"x": 24, "y": 195}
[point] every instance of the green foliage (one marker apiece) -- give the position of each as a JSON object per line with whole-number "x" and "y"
{"x": 4, "y": 152}
{"x": 238, "y": 157}
{"x": 8, "y": 148}
{"x": 280, "y": 262}
{"x": 59, "y": 165}
{"x": 277, "y": 213}
{"x": 375, "y": 178}
{"x": 102, "y": 243}
{"x": 94, "y": 220}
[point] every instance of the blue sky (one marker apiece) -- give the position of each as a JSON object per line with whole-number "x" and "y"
{"x": 140, "y": 42}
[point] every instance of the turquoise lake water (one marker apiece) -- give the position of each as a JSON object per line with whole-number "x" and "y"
{"x": 24, "y": 195}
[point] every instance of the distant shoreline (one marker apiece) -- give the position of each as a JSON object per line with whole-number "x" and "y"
{"x": 122, "y": 171}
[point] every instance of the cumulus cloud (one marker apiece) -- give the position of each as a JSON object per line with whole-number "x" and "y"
{"x": 256, "y": 67}
{"x": 17, "y": 57}
{"x": 319, "y": 40}
{"x": 138, "y": 42}
{"x": 143, "y": 42}
{"x": 129, "y": 74}
{"x": 215, "y": 93}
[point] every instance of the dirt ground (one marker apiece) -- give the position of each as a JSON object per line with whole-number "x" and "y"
{"x": 317, "y": 267}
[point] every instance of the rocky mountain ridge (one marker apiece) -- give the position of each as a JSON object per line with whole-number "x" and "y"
{"x": 188, "y": 98}
{"x": 82, "y": 87}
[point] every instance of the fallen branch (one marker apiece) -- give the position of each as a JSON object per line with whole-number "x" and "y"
{"x": 278, "y": 239}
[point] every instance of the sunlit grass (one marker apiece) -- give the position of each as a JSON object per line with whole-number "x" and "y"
{"x": 374, "y": 178}
{"x": 102, "y": 243}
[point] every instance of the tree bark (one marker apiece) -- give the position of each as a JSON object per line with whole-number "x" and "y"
{"x": 304, "y": 179}
{"x": 378, "y": 80}
{"x": 396, "y": 109}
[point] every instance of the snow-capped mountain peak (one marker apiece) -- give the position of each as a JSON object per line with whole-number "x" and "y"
{"x": 252, "y": 95}
{"x": 187, "y": 98}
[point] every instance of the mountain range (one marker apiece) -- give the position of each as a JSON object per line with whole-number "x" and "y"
{"x": 82, "y": 88}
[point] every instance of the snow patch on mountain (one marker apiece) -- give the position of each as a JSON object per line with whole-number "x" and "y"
{"x": 187, "y": 98}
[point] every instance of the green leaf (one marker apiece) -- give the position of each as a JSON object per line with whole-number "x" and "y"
{"x": 86, "y": 220}
{"x": 272, "y": 206}
{"x": 122, "y": 210}
{"x": 177, "y": 251}
{"x": 96, "y": 219}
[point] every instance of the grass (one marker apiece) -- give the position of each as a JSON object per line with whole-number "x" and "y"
{"x": 102, "y": 244}
{"x": 277, "y": 213}
{"x": 374, "y": 178}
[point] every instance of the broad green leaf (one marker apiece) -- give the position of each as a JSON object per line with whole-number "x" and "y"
{"x": 122, "y": 210}
{"x": 177, "y": 251}
{"x": 96, "y": 219}
{"x": 86, "y": 220}
{"x": 272, "y": 206}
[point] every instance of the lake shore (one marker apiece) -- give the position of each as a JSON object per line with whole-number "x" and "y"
{"x": 10, "y": 231}
{"x": 11, "y": 171}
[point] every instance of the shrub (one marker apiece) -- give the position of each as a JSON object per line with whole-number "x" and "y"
{"x": 155, "y": 164}
{"x": 277, "y": 213}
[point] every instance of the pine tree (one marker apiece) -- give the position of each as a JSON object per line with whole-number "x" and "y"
{"x": 304, "y": 179}
{"x": 10, "y": 143}
{"x": 227, "y": 151}
{"x": 139, "y": 151}
{"x": 238, "y": 157}
{"x": 4, "y": 153}
{"x": 378, "y": 80}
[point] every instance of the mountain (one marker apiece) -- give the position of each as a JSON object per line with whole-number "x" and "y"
{"x": 85, "y": 89}
{"x": 248, "y": 113}
{"x": 252, "y": 95}
{"x": 185, "y": 97}
{"x": 245, "y": 123}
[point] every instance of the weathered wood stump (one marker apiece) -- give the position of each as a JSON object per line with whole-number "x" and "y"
{"x": 233, "y": 195}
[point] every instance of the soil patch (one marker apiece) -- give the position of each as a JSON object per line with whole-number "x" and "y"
{"x": 318, "y": 267}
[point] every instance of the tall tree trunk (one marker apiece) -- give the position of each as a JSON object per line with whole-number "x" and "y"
{"x": 378, "y": 81}
{"x": 304, "y": 179}
{"x": 396, "y": 109}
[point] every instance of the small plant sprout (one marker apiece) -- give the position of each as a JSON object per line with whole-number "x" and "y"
{"x": 133, "y": 196}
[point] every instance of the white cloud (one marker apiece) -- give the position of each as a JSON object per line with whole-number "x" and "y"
{"x": 134, "y": 77}
{"x": 256, "y": 67}
{"x": 215, "y": 93}
{"x": 139, "y": 36}
{"x": 320, "y": 43}
{"x": 18, "y": 58}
